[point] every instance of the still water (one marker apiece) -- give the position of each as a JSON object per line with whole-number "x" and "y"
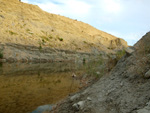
{"x": 24, "y": 87}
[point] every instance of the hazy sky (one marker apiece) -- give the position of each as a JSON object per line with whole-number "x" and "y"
{"x": 127, "y": 19}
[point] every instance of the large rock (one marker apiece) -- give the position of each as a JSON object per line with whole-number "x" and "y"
{"x": 129, "y": 50}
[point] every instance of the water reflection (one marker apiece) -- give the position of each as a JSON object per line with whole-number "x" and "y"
{"x": 24, "y": 87}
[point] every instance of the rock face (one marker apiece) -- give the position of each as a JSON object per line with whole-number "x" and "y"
{"x": 23, "y": 53}
{"x": 123, "y": 90}
{"x": 27, "y": 24}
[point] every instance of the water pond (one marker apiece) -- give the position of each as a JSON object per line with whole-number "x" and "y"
{"x": 24, "y": 87}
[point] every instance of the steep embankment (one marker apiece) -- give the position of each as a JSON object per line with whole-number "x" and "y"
{"x": 28, "y": 25}
{"x": 124, "y": 90}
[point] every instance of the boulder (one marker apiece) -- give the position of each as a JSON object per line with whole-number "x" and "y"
{"x": 129, "y": 50}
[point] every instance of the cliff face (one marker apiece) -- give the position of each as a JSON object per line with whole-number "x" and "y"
{"x": 27, "y": 24}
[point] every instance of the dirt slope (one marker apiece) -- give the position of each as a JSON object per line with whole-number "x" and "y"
{"x": 126, "y": 89}
{"x": 27, "y": 24}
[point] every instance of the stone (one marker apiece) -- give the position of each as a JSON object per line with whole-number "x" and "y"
{"x": 98, "y": 73}
{"x": 75, "y": 106}
{"x": 147, "y": 74}
{"x": 129, "y": 50}
{"x": 121, "y": 84}
{"x": 81, "y": 104}
{"x": 74, "y": 97}
{"x": 89, "y": 99}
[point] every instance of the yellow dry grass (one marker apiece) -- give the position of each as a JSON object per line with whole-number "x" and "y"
{"x": 27, "y": 24}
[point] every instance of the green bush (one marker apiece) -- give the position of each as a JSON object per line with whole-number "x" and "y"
{"x": 60, "y": 39}
{"x": 95, "y": 68}
{"x": 85, "y": 42}
{"x": 120, "y": 54}
{"x": 1, "y": 55}
{"x": 1, "y": 64}
{"x": 40, "y": 47}
{"x": 44, "y": 38}
{"x": 12, "y": 33}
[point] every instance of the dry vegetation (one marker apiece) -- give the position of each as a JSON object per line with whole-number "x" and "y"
{"x": 28, "y": 25}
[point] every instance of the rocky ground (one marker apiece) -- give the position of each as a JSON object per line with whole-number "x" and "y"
{"x": 126, "y": 89}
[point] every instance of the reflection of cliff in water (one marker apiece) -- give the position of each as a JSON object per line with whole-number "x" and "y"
{"x": 35, "y": 68}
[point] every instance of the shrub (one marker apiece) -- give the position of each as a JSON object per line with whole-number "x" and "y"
{"x": 95, "y": 68}
{"x": 43, "y": 41}
{"x": 50, "y": 37}
{"x": 12, "y": 33}
{"x": 27, "y": 30}
{"x": 1, "y": 64}
{"x": 120, "y": 54}
{"x": 44, "y": 38}
{"x": 60, "y": 39}
{"x": 1, "y": 55}
{"x": 85, "y": 42}
{"x": 40, "y": 47}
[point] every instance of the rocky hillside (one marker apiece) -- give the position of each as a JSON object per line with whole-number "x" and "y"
{"x": 124, "y": 90}
{"x": 27, "y": 24}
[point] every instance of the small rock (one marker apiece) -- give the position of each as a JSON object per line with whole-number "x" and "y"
{"x": 147, "y": 74}
{"x": 121, "y": 84}
{"x": 98, "y": 72}
{"x": 112, "y": 78}
{"x": 81, "y": 104}
{"x": 74, "y": 97}
{"x": 75, "y": 106}
{"x": 89, "y": 99}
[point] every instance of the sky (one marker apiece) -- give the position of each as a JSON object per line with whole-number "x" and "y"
{"x": 127, "y": 19}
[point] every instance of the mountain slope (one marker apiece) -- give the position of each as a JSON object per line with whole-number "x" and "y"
{"x": 124, "y": 90}
{"x": 27, "y": 24}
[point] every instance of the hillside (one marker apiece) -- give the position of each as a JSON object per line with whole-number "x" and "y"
{"x": 27, "y": 24}
{"x": 124, "y": 90}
